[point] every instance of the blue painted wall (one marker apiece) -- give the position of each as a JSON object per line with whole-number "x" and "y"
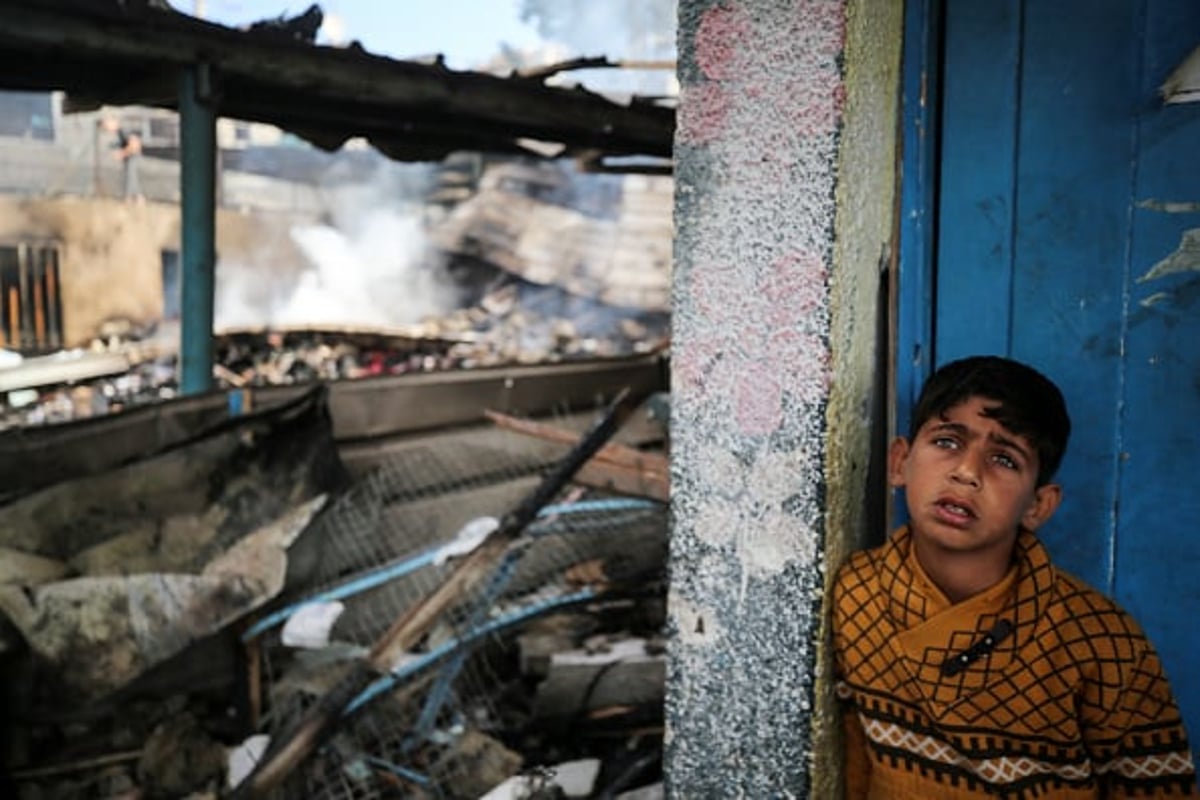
{"x": 1060, "y": 182}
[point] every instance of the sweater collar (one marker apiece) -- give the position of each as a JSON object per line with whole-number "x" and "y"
{"x": 912, "y": 599}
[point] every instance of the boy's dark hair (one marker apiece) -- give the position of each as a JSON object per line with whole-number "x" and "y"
{"x": 1028, "y": 403}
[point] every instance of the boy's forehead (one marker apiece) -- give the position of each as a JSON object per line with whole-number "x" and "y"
{"x": 976, "y": 411}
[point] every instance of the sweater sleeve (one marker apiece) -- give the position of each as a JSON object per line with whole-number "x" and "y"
{"x": 1139, "y": 746}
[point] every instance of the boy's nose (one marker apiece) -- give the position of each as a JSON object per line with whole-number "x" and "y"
{"x": 966, "y": 471}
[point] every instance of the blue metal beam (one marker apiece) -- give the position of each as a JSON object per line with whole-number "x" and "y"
{"x": 197, "y": 179}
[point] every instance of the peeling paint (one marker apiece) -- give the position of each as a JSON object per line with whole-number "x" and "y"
{"x": 1154, "y": 299}
{"x": 1169, "y": 206}
{"x": 1186, "y": 258}
{"x": 1183, "y": 84}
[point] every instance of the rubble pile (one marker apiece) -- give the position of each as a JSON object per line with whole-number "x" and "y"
{"x": 522, "y": 323}
{"x": 167, "y": 625}
{"x": 514, "y": 323}
{"x": 278, "y": 357}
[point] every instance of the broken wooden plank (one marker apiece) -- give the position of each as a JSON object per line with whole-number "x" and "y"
{"x": 625, "y": 480}
{"x": 616, "y": 466}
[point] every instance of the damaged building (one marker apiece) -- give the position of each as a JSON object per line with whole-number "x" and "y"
{"x": 517, "y": 261}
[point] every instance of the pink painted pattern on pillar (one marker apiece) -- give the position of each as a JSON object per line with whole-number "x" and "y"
{"x": 754, "y": 346}
{"x": 752, "y": 335}
{"x": 756, "y": 172}
{"x": 723, "y": 37}
{"x": 702, "y": 113}
{"x": 758, "y": 397}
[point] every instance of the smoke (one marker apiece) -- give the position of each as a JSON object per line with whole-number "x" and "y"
{"x": 368, "y": 264}
{"x": 619, "y": 29}
{"x": 333, "y": 30}
{"x": 376, "y": 275}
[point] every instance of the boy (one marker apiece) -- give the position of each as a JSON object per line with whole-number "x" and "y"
{"x": 969, "y": 664}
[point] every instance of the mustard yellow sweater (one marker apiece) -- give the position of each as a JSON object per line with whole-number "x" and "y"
{"x": 1040, "y": 687}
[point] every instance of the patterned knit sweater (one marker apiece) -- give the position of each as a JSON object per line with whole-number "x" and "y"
{"x": 1039, "y": 687}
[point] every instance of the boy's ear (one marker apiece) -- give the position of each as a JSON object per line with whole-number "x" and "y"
{"x": 897, "y": 455}
{"x": 1045, "y": 502}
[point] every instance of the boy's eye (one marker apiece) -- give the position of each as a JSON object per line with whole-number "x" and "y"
{"x": 945, "y": 442}
{"x": 1005, "y": 460}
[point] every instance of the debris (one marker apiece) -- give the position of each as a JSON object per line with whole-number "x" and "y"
{"x": 526, "y": 324}
{"x": 300, "y": 28}
{"x": 572, "y": 609}
{"x": 311, "y": 625}
{"x": 602, "y": 237}
{"x": 186, "y": 504}
{"x": 180, "y": 757}
{"x": 99, "y": 762}
{"x": 99, "y": 633}
{"x": 66, "y": 366}
{"x": 243, "y": 758}
{"x": 583, "y": 682}
{"x": 27, "y": 569}
{"x": 617, "y": 467}
{"x": 469, "y": 537}
{"x": 568, "y": 779}
{"x": 654, "y": 791}
{"x": 407, "y": 630}
{"x": 489, "y": 762}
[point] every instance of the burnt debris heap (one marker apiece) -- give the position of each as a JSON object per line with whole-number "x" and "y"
{"x": 175, "y": 621}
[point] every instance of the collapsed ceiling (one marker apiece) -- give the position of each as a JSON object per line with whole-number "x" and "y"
{"x": 131, "y": 52}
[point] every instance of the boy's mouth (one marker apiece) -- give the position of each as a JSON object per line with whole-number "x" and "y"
{"x": 954, "y": 511}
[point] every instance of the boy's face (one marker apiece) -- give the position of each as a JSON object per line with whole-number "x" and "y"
{"x": 970, "y": 483}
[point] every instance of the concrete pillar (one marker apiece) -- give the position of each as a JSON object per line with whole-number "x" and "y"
{"x": 785, "y": 172}
{"x": 197, "y": 184}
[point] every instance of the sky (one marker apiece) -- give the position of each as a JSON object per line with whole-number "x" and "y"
{"x": 470, "y": 33}
{"x": 466, "y": 32}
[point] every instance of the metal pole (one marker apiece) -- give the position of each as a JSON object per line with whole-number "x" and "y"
{"x": 197, "y": 179}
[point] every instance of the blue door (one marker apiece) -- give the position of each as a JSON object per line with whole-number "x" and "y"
{"x": 1053, "y": 215}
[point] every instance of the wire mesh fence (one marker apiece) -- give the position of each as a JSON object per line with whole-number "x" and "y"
{"x": 457, "y": 715}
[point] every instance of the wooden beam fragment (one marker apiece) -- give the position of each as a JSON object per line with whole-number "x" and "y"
{"x": 101, "y": 52}
{"x": 616, "y": 466}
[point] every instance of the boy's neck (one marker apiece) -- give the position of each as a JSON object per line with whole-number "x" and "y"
{"x": 962, "y": 575}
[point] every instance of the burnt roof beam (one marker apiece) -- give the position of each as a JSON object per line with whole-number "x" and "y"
{"x": 322, "y": 87}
